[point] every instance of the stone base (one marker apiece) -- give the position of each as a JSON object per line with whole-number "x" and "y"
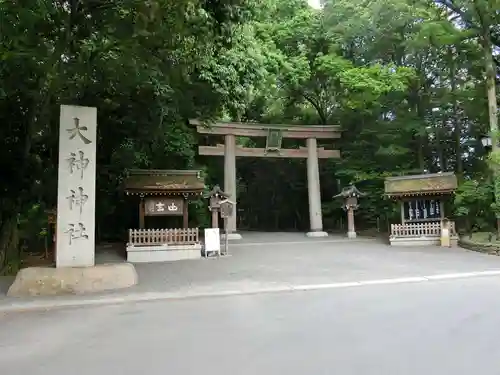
{"x": 351, "y": 235}
{"x": 231, "y": 236}
{"x": 316, "y": 234}
{"x": 420, "y": 241}
{"x": 162, "y": 253}
{"x": 42, "y": 281}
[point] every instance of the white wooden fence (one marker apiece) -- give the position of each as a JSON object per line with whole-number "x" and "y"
{"x": 432, "y": 229}
{"x": 150, "y": 237}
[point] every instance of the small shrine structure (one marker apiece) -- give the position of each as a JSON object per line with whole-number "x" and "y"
{"x": 422, "y": 207}
{"x": 163, "y": 193}
{"x": 350, "y": 195}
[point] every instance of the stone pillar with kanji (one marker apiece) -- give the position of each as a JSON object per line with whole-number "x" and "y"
{"x": 75, "y": 224}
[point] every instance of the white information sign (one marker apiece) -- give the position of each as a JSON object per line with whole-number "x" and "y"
{"x": 212, "y": 240}
{"x": 76, "y": 187}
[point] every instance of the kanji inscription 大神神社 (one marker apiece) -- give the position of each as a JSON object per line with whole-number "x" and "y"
{"x": 78, "y": 131}
{"x": 77, "y": 198}
{"x": 78, "y": 163}
{"x": 76, "y": 187}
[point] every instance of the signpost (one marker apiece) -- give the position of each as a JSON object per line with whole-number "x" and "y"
{"x": 226, "y": 211}
{"x": 212, "y": 241}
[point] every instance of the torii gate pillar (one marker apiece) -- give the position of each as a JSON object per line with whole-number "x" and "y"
{"x": 313, "y": 190}
{"x": 230, "y": 182}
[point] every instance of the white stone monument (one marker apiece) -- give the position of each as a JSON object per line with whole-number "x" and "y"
{"x": 75, "y": 244}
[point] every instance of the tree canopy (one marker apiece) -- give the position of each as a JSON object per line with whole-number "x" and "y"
{"x": 412, "y": 83}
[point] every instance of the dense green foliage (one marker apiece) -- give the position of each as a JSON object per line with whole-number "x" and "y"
{"x": 411, "y": 82}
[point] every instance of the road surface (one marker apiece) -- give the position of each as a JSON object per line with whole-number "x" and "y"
{"x": 437, "y": 328}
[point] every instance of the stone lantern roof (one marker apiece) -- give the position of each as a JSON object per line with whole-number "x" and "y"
{"x": 216, "y": 191}
{"x": 350, "y": 191}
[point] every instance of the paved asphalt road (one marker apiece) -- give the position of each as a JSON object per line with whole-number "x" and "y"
{"x": 434, "y": 328}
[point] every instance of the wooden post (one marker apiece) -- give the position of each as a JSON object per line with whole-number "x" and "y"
{"x": 54, "y": 236}
{"x": 185, "y": 214}
{"x": 141, "y": 214}
{"x": 351, "y": 230}
{"x": 445, "y": 233}
{"x": 402, "y": 212}
{"x": 350, "y": 220}
{"x": 215, "y": 218}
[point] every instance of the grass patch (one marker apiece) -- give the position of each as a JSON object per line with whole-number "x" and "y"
{"x": 484, "y": 242}
{"x": 483, "y": 238}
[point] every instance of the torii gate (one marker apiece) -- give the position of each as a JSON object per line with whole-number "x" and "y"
{"x": 274, "y": 135}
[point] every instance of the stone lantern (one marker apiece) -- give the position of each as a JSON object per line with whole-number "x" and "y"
{"x": 350, "y": 195}
{"x": 216, "y": 196}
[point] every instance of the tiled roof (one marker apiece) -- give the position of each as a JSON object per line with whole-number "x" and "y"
{"x": 423, "y": 184}
{"x": 164, "y": 182}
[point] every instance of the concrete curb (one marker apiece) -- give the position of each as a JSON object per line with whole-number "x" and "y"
{"x": 161, "y": 296}
{"x": 306, "y": 241}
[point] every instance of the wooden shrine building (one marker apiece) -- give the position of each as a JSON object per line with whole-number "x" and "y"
{"x": 422, "y": 207}
{"x": 163, "y": 193}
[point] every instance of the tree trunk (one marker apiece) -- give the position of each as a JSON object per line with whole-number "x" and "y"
{"x": 456, "y": 126}
{"x": 422, "y": 138}
{"x": 440, "y": 145}
{"x": 9, "y": 241}
{"x": 492, "y": 113}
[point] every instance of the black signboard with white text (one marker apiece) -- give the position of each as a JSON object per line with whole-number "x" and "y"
{"x": 164, "y": 206}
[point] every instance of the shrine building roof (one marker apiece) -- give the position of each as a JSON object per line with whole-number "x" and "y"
{"x": 164, "y": 182}
{"x": 422, "y": 184}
